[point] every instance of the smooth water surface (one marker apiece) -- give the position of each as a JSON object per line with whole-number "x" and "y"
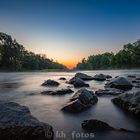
{"x": 25, "y": 89}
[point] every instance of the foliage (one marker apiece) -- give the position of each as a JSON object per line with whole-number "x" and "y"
{"x": 13, "y": 56}
{"x": 128, "y": 57}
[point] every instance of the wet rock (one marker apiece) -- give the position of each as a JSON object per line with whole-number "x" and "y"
{"x": 80, "y": 101}
{"x": 83, "y": 76}
{"x": 94, "y": 125}
{"x": 57, "y": 92}
{"x": 50, "y": 83}
{"x": 129, "y": 102}
{"x": 119, "y": 83}
{"x": 77, "y": 82}
{"x": 138, "y": 78}
{"x": 111, "y": 91}
{"x": 108, "y": 76}
{"x": 135, "y": 81}
{"x": 17, "y": 123}
{"x": 62, "y": 78}
{"x": 100, "y": 77}
{"x": 131, "y": 76}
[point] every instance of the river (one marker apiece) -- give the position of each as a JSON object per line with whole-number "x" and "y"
{"x": 25, "y": 87}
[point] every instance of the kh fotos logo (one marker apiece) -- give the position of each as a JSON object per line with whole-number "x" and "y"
{"x": 74, "y": 135}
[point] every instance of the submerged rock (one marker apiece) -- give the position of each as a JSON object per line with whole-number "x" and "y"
{"x": 57, "y": 92}
{"x": 77, "y": 82}
{"x": 111, "y": 91}
{"x": 100, "y": 77}
{"x": 17, "y": 123}
{"x": 50, "y": 82}
{"x": 119, "y": 83}
{"x": 129, "y": 102}
{"x": 83, "y": 76}
{"x": 95, "y": 125}
{"x": 81, "y": 100}
{"x": 62, "y": 78}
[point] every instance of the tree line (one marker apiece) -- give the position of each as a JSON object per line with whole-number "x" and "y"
{"x": 128, "y": 57}
{"x": 14, "y": 56}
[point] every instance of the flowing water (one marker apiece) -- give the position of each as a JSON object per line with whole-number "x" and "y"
{"x": 24, "y": 88}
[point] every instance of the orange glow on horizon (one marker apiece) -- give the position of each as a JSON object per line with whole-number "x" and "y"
{"x": 69, "y": 65}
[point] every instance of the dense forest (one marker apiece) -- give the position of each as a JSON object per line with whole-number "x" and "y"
{"x": 128, "y": 57}
{"x": 13, "y": 56}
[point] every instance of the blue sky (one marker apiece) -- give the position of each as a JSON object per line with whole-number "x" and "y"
{"x": 68, "y": 30}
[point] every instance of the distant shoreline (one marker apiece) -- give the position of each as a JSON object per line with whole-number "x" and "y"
{"x": 68, "y": 70}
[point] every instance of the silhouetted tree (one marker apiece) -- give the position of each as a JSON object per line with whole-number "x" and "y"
{"x": 128, "y": 57}
{"x": 13, "y": 56}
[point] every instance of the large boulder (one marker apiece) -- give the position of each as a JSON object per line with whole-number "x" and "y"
{"x": 80, "y": 101}
{"x": 83, "y": 76}
{"x": 17, "y": 123}
{"x": 77, "y": 82}
{"x": 119, "y": 83}
{"x": 50, "y": 82}
{"x": 110, "y": 91}
{"x": 57, "y": 92}
{"x": 100, "y": 77}
{"x": 129, "y": 102}
{"x": 94, "y": 125}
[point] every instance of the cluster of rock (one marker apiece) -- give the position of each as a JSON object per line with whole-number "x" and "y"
{"x": 98, "y": 77}
{"x": 115, "y": 86}
{"x": 84, "y": 99}
{"x": 119, "y": 83}
{"x": 17, "y": 123}
{"x": 80, "y": 101}
{"x": 78, "y": 80}
{"x": 129, "y": 102}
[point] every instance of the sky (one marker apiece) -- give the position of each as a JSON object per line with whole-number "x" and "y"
{"x": 69, "y": 30}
